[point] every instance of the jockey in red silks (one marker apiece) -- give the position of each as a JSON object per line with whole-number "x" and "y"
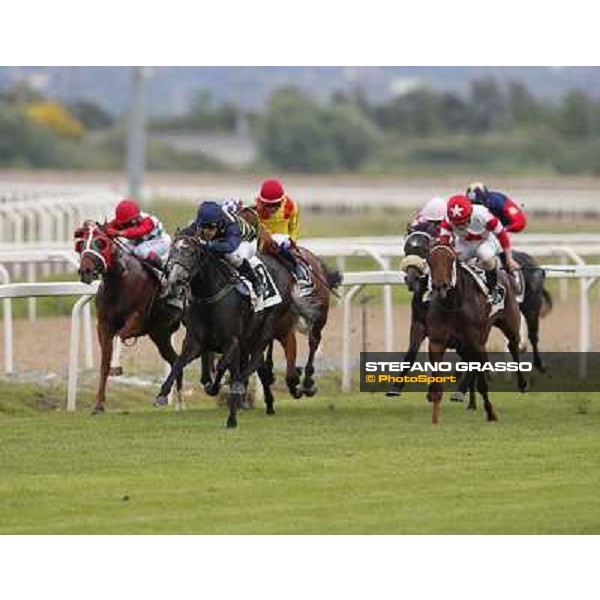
{"x": 142, "y": 233}
{"x": 508, "y": 211}
{"x": 477, "y": 234}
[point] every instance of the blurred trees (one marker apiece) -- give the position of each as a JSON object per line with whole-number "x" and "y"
{"x": 299, "y": 135}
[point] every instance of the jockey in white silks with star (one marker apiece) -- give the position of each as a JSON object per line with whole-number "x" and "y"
{"x": 477, "y": 234}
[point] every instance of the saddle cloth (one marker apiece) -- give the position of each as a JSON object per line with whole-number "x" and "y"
{"x": 304, "y": 279}
{"x": 271, "y": 296}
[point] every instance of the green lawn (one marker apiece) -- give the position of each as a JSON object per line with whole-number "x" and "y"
{"x": 352, "y": 463}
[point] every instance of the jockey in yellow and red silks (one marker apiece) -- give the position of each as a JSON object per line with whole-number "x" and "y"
{"x": 279, "y": 214}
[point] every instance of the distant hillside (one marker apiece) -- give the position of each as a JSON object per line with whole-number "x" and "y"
{"x": 170, "y": 89}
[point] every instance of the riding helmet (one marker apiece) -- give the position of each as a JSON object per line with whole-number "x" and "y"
{"x": 271, "y": 191}
{"x": 126, "y": 211}
{"x": 459, "y": 210}
{"x": 477, "y": 192}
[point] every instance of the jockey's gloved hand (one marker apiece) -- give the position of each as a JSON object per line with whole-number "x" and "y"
{"x": 112, "y": 232}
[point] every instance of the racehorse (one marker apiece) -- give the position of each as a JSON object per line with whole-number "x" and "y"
{"x": 537, "y": 301}
{"x": 325, "y": 282}
{"x": 219, "y": 318}
{"x": 459, "y": 311}
{"x": 536, "y": 304}
{"x": 127, "y": 302}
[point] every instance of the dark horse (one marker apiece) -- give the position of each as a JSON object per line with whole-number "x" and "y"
{"x": 459, "y": 311}
{"x": 219, "y": 318}
{"x": 325, "y": 282}
{"x": 126, "y": 303}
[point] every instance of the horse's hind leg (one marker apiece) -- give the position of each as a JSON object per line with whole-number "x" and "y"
{"x": 105, "y": 338}
{"x": 532, "y": 317}
{"x": 292, "y": 375}
{"x": 314, "y": 339}
{"x": 162, "y": 340}
{"x": 263, "y": 375}
{"x": 237, "y": 392}
{"x": 269, "y": 363}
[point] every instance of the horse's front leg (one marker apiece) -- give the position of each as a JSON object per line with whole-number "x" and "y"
{"x": 418, "y": 332}
{"x": 191, "y": 349}
{"x": 132, "y": 327}
{"x": 105, "y": 338}
{"x": 237, "y": 391}
{"x": 436, "y": 389}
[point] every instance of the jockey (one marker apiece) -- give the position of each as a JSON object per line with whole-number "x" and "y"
{"x": 221, "y": 232}
{"x": 279, "y": 214}
{"x": 144, "y": 234}
{"x": 477, "y": 234}
{"x": 509, "y": 212}
{"x": 432, "y": 213}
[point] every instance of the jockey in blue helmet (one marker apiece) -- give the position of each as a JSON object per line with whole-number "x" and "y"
{"x": 221, "y": 233}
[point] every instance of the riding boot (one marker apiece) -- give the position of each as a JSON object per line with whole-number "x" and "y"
{"x": 293, "y": 263}
{"x": 246, "y": 270}
{"x": 155, "y": 262}
{"x": 491, "y": 280}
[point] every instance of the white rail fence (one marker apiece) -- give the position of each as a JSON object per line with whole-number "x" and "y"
{"x": 587, "y": 275}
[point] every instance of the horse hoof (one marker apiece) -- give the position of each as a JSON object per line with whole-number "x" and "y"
{"x": 97, "y": 410}
{"x": 297, "y": 393}
{"x": 393, "y": 392}
{"x": 542, "y": 368}
{"x": 457, "y": 397}
{"x": 523, "y": 388}
{"x": 472, "y": 406}
{"x": 115, "y": 371}
{"x": 270, "y": 410}
{"x": 231, "y": 423}
{"x": 161, "y": 401}
{"x": 211, "y": 389}
{"x": 310, "y": 392}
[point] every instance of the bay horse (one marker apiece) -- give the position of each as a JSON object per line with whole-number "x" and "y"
{"x": 459, "y": 310}
{"x": 220, "y": 319}
{"x": 127, "y": 302}
{"x": 536, "y": 304}
{"x": 325, "y": 281}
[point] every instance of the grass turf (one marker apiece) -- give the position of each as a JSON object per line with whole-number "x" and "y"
{"x": 353, "y": 463}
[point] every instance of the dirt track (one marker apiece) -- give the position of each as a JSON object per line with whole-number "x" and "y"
{"x": 43, "y": 347}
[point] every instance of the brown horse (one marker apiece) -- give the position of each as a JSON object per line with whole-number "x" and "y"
{"x": 325, "y": 282}
{"x": 459, "y": 311}
{"x": 127, "y": 301}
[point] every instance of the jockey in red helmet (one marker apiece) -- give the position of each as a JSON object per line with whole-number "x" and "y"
{"x": 477, "y": 234}
{"x": 144, "y": 234}
{"x": 280, "y": 215}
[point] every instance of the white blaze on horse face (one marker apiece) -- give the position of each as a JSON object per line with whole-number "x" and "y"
{"x": 89, "y": 250}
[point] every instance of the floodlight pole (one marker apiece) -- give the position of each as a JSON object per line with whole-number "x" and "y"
{"x": 136, "y": 135}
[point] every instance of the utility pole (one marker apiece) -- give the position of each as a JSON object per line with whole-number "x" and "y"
{"x": 136, "y": 134}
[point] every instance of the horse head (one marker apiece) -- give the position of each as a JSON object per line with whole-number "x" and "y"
{"x": 97, "y": 251}
{"x": 416, "y": 250}
{"x": 442, "y": 267}
{"x": 185, "y": 260}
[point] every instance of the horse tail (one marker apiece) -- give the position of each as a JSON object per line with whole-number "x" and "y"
{"x": 306, "y": 310}
{"x": 546, "y": 303}
{"x": 332, "y": 276}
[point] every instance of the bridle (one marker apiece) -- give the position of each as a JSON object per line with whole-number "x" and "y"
{"x": 449, "y": 251}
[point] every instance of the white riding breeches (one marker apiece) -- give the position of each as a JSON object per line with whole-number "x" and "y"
{"x": 245, "y": 251}
{"x": 485, "y": 251}
{"x": 282, "y": 240}
{"x": 159, "y": 246}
